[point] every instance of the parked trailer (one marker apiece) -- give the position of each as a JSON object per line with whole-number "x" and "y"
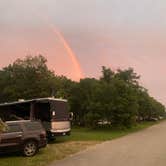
{"x": 52, "y": 112}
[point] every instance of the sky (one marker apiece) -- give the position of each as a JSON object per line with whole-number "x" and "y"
{"x": 79, "y": 36}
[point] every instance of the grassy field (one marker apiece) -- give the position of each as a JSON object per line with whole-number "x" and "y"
{"x": 80, "y": 139}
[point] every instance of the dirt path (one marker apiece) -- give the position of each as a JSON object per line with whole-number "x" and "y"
{"x": 144, "y": 148}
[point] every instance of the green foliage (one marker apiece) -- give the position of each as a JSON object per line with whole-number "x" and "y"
{"x": 80, "y": 99}
{"x": 127, "y": 75}
{"x": 115, "y": 99}
{"x": 92, "y": 119}
{"x": 107, "y": 74}
{"x": 30, "y": 78}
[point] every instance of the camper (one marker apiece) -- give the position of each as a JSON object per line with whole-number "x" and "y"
{"x": 53, "y": 114}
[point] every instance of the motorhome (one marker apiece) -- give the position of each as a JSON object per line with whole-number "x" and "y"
{"x": 53, "y": 114}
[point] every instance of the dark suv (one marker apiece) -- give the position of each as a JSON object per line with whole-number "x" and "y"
{"x": 24, "y": 135}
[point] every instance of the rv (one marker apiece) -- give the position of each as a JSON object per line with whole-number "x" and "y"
{"x": 53, "y": 114}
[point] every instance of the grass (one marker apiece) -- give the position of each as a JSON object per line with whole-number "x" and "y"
{"x": 45, "y": 156}
{"x": 102, "y": 134}
{"x": 80, "y": 139}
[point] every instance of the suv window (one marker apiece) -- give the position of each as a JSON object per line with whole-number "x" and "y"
{"x": 32, "y": 125}
{"x": 13, "y": 128}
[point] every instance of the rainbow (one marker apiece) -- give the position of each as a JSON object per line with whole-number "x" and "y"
{"x": 78, "y": 71}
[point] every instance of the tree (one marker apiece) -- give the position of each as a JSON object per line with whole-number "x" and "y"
{"x": 110, "y": 99}
{"x": 81, "y": 98}
{"x": 120, "y": 93}
{"x": 107, "y": 74}
{"x": 116, "y": 98}
{"x": 62, "y": 87}
{"x": 27, "y": 78}
{"x": 149, "y": 108}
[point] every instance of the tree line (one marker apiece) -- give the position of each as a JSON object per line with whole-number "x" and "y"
{"x": 116, "y": 98}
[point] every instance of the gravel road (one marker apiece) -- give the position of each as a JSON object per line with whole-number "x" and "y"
{"x": 143, "y": 148}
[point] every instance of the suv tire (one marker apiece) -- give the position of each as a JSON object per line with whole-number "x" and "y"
{"x": 30, "y": 148}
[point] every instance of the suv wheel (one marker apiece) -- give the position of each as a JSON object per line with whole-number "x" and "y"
{"x": 30, "y": 148}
